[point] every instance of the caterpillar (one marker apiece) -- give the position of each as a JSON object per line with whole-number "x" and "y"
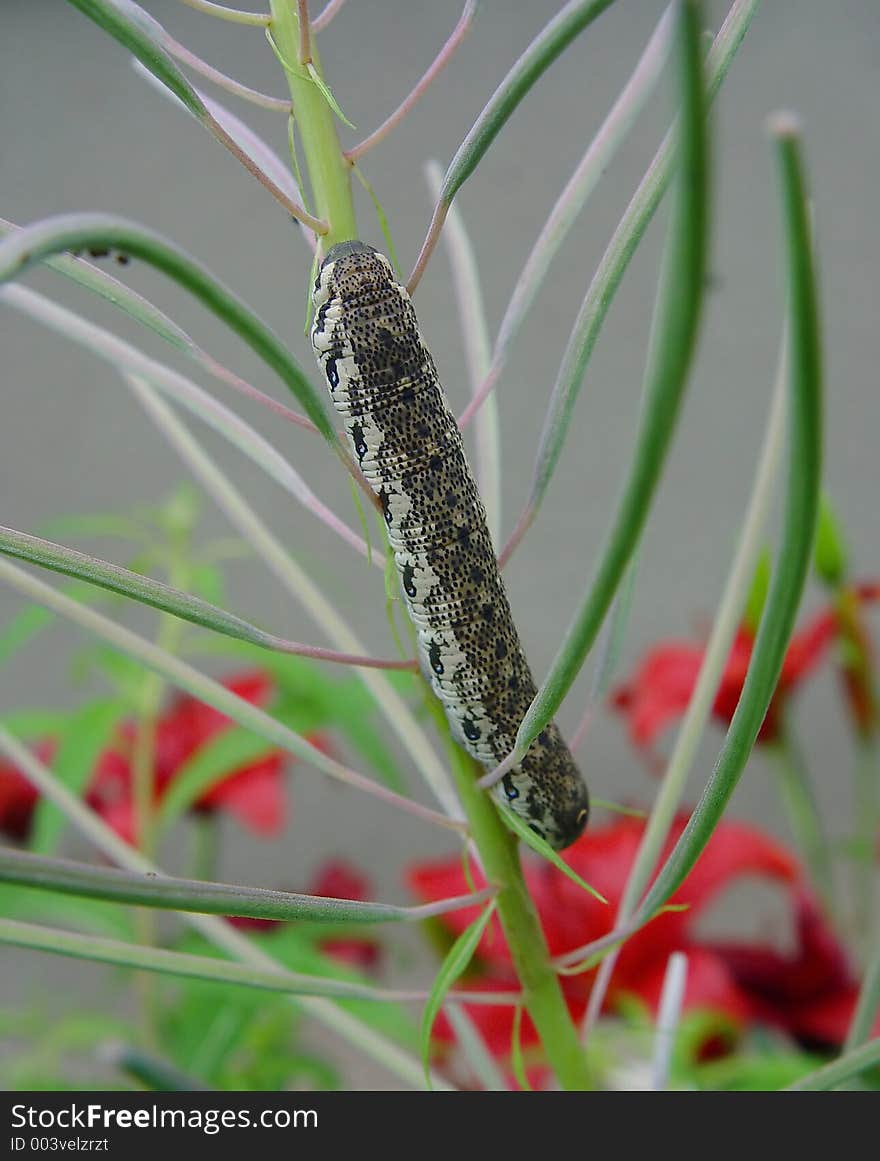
{"x": 384, "y": 385}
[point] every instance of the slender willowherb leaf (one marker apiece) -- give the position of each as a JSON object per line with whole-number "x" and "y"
{"x": 143, "y": 36}
{"x": 457, "y": 959}
{"x": 80, "y": 744}
{"x": 82, "y": 231}
{"x": 437, "y": 66}
{"x": 847, "y": 1066}
{"x": 170, "y": 894}
{"x": 183, "y": 964}
{"x": 210, "y": 692}
{"x": 475, "y": 1050}
{"x": 610, "y": 271}
{"x": 222, "y": 419}
{"x": 137, "y": 307}
{"x": 158, "y": 595}
{"x": 611, "y": 135}
{"x": 668, "y": 1016}
{"x": 236, "y": 88}
{"x": 217, "y": 931}
{"x": 150, "y": 1072}
{"x": 326, "y": 15}
{"x": 792, "y": 563}
{"x": 553, "y": 39}
{"x": 248, "y": 141}
{"x": 234, "y": 15}
{"x": 727, "y": 619}
{"x": 867, "y": 1006}
{"x": 477, "y": 347}
{"x": 679, "y": 302}
{"x": 278, "y": 559}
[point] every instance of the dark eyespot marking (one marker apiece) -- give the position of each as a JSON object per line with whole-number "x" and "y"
{"x": 509, "y": 789}
{"x": 435, "y": 463}
{"x": 357, "y": 438}
{"x": 477, "y": 575}
{"x": 331, "y": 372}
{"x": 471, "y": 730}
{"x": 408, "y": 587}
{"x": 464, "y": 535}
{"x": 487, "y": 612}
{"x": 451, "y": 500}
{"x": 383, "y": 500}
{"x": 434, "y": 659}
{"x": 500, "y": 649}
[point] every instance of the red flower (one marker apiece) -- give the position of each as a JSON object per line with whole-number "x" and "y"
{"x": 661, "y": 689}
{"x": 717, "y": 977}
{"x": 254, "y": 794}
{"x": 19, "y": 797}
{"x": 337, "y": 879}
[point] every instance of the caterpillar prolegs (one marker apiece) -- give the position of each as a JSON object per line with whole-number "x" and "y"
{"x": 384, "y": 384}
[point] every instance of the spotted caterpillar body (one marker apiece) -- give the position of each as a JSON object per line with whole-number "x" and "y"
{"x": 384, "y": 384}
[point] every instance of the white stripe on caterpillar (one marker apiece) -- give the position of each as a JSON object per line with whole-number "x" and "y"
{"x": 384, "y": 384}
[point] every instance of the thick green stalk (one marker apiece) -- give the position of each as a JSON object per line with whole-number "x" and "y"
{"x": 542, "y": 995}
{"x": 329, "y": 172}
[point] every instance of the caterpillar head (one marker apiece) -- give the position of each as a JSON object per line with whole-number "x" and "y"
{"x": 348, "y": 266}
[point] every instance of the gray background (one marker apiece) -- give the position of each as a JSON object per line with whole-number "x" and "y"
{"x": 78, "y": 130}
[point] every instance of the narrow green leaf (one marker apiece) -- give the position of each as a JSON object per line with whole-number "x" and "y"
{"x": 35, "y": 724}
{"x": 757, "y": 594}
{"x": 553, "y": 39}
{"x": 116, "y": 579}
{"x": 87, "y": 734}
{"x": 141, "y": 35}
{"x": 151, "y": 1072}
{"x": 457, "y": 959}
{"x": 541, "y": 847}
{"x": 48, "y": 906}
{"x": 77, "y": 231}
{"x": 616, "y": 259}
{"x": 34, "y": 619}
{"x": 117, "y": 293}
{"x": 154, "y": 959}
{"x": 801, "y": 507}
{"x": 313, "y": 698}
{"x": 840, "y": 1070}
{"x": 677, "y": 315}
{"x": 867, "y": 1006}
{"x": 229, "y": 751}
{"x": 516, "y": 1054}
{"x": 830, "y": 557}
{"x": 324, "y": 90}
{"x": 190, "y": 895}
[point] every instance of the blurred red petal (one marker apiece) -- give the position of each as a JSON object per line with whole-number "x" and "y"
{"x": 709, "y": 986}
{"x": 338, "y": 879}
{"x": 659, "y": 691}
{"x": 255, "y": 796}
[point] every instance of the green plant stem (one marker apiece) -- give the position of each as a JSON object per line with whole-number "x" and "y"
{"x": 329, "y": 172}
{"x": 499, "y": 854}
{"x": 802, "y": 811}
